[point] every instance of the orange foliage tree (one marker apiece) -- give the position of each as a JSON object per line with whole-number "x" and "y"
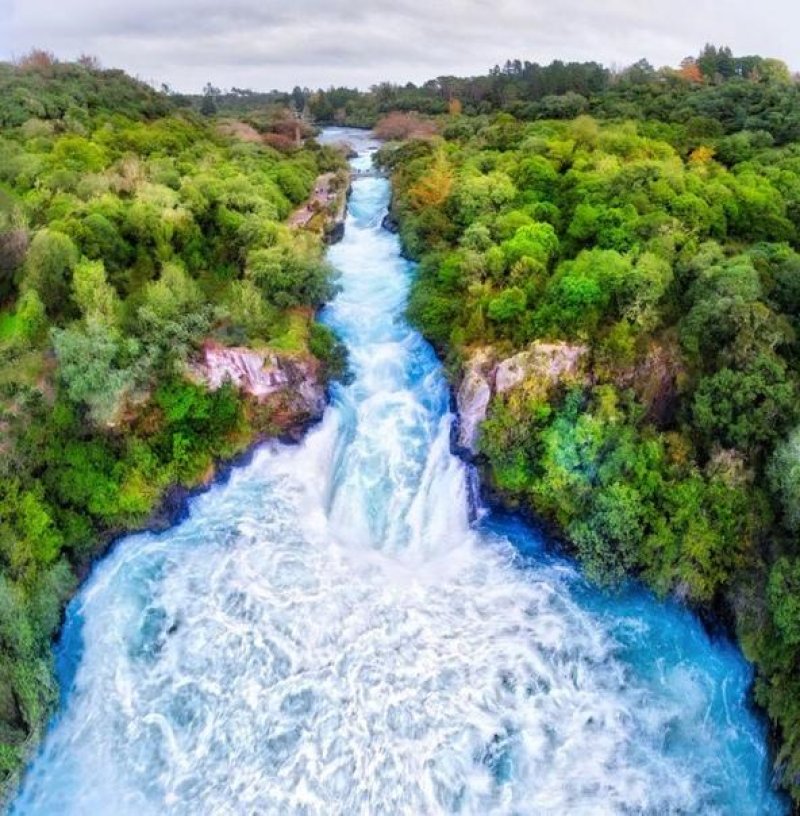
{"x": 702, "y": 155}
{"x": 690, "y": 70}
{"x": 37, "y": 59}
{"x": 434, "y": 187}
{"x": 397, "y": 125}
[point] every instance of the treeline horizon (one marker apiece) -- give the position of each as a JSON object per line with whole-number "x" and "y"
{"x": 515, "y": 80}
{"x": 529, "y": 90}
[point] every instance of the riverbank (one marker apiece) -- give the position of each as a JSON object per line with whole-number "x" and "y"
{"x": 599, "y": 398}
{"x": 276, "y": 424}
{"x": 325, "y": 210}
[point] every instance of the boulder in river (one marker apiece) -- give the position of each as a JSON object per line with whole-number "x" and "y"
{"x": 389, "y": 223}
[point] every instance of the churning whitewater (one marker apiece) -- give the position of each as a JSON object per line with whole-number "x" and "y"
{"x": 327, "y": 633}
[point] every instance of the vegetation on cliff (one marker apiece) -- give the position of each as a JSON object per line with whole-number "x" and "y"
{"x": 131, "y": 234}
{"x": 664, "y": 241}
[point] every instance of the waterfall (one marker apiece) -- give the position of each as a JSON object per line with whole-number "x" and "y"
{"x": 331, "y": 632}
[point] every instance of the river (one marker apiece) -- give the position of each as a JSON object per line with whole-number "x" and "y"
{"x": 328, "y": 633}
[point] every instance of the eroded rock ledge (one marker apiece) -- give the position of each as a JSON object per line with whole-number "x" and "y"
{"x": 541, "y": 364}
{"x": 265, "y": 376}
{"x": 654, "y": 378}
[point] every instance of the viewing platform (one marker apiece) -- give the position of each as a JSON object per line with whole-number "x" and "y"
{"x": 372, "y": 172}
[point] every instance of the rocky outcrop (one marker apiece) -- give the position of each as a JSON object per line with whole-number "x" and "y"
{"x": 548, "y": 362}
{"x": 264, "y": 376}
{"x": 334, "y": 232}
{"x": 472, "y": 400}
{"x": 539, "y": 367}
{"x": 334, "y": 228}
{"x": 390, "y": 224}
{"x": 656, "y": 380}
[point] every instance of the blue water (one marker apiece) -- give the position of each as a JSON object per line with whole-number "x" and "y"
{"x": 328, "y": 634}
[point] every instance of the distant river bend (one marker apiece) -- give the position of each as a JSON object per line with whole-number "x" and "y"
{"x": 327, "y": 633}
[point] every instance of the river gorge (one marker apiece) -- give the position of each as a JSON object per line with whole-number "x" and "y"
{"x": 330, "y": 632}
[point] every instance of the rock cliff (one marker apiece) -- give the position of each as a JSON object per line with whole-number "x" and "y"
{"x": 541, "y": 365}
{"x": 265, "y": 376}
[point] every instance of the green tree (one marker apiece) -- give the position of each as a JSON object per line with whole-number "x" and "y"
{"x": 784, "y": 476}
{"x": 784, "y": 598}
{"x": 92, "y": 293}
{"x": 48, "y": 269}
{"x": 94, "y": 368}
{"x": 745, "y": 408}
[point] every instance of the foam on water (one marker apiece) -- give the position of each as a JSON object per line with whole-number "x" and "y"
{"x": 327, "y": 634}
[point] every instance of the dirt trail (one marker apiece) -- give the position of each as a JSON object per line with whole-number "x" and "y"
{"x": 320, "y": 197}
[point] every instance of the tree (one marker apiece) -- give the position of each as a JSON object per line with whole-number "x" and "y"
{"x": 288, "y": 278}
{"x": 690, "y": 70}
{"x": 48, "y": 269}
{"x": 31, "y": 319}
{"x": 585, "y": 291}
{"x": 538, "y": 242}
{"x": 96, "y": 299}
{"x": 92, "y": 367}
{"x": 784, "y": 477}
{"x": 435, "y": 185}
{"x": 208, "y": 107}
{"x": 745, "y": 408}
{"x": 13, "y": 243}
{"x": 507, "y": 306}
{"x": 644, "y": 288}
{"x": 784, "y": 598}
{"x": 173, "y": 316}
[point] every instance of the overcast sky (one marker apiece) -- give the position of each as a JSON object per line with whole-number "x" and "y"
{"x": 264, "y": 44}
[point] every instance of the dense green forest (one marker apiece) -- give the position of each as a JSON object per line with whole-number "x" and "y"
{"x": 714, "y": 93}
{"x": 131, "y": 232}
{"x": 655, "y": 245}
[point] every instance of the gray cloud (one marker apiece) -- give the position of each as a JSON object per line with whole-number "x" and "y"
{"x": 279, "y": 43}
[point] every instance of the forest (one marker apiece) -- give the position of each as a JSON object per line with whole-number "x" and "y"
{"x": 656, "y": 243}
{"x": 713, "y": 94}
{"x": 132, "y": 231}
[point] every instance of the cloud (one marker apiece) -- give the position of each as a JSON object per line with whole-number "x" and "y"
{"x": 275, "y": 43}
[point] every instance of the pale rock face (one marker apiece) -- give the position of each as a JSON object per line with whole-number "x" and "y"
{"x": 473, "y": 398}
{"x": 511, "y": 372}
{"x": 244, "y": 367}
{"x": 484, "y": 377}
{"x": 262, "y": 374}
{"x": 549, "y": 362}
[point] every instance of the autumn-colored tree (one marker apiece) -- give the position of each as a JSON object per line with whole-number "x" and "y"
{"x": 37, "y": 59}
{"x": 702, "y": 155}
{"x": 455, "y": 107}
{"x": 282, "y": 143}
{"x": 90, "y": 62}
{"x": 690, "y": 70}
{"x": 435, "y": 186}
{"x": 397, "y": 125}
